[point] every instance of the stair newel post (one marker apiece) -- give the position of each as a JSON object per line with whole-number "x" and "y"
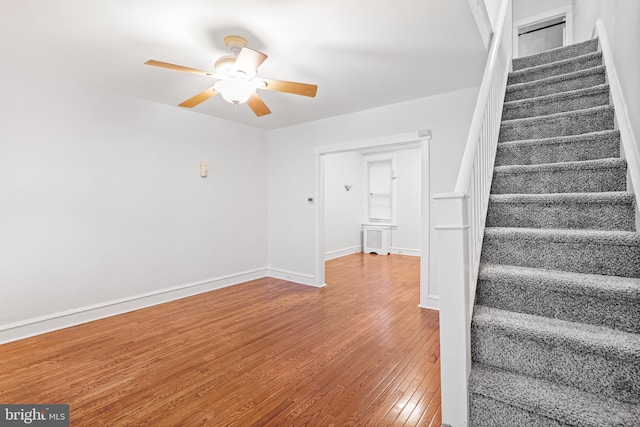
{"x": 452, "y": 236}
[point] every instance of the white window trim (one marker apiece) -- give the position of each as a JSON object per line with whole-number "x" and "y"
{"x": 366, "y": 159}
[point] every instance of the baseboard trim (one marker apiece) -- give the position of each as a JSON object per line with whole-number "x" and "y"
{"x": 52, "y": 322}
{"x": 342, "y": 252}
{"x": 405, "y": 251}
{"x": 292, "y": 276}
{"x": 432, "y": 303}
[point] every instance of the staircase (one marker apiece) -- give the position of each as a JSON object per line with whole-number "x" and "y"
{"x": 556, "y": 326}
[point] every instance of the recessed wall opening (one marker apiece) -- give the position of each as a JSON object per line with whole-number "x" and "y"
{"x": 370, "y": 148}
{"x": 541, "y": 36}
{"x": 542, "y": 32}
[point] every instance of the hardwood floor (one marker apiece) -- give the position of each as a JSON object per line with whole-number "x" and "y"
{"x": 262, "y": 353}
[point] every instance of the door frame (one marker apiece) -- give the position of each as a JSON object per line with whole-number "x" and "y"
{"x": 566, "y": 12}
{"x": 421, "y": 139}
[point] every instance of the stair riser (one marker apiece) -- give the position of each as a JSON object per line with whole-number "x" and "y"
{"x": 570, "y": 151}
{"x": 566, "y": 52}
{"x": 560, "y": 125}
{"x": 549, "y": 215}
{"x": 560, "y": 181}
{"x": 535, "y": 108}
{"x": 571, "y": 66}
{"x": 577, "y": 256}
{"x": 557, "y": 361}
{"x": 487, "y": 412}
{"x": 577, "y": 83}
{"x": 528, "y": 298}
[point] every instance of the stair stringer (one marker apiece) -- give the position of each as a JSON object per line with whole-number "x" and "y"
{"x": 629, "y": 147}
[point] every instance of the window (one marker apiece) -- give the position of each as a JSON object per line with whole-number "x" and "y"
{"x": 380, "y": 198}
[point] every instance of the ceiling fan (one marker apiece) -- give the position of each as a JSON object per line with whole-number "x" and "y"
{"x": 237, "y": 81}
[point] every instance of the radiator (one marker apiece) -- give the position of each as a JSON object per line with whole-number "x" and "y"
{"x": 377, "y": 240}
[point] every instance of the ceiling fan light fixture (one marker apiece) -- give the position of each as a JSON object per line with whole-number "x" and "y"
{"x": 235, "y": 91}
{"x": 237, "y": 78}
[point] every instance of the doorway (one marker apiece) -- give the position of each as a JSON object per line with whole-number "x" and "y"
{"x": 542, "y": 32}
{"x": 419, "y": 139}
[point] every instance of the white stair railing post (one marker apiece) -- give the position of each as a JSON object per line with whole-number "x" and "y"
{"x": 452, "y": 237}
{"x": 459, "y": 219}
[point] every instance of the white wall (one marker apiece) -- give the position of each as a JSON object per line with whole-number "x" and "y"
{"x": 527, "y": 8}
{"x": 291, "y": 164}
{"x": 102, "y": 198}
{"x": 585, "y": 15}
{"x": 343, "y": 209}
{"x": 493, "y": 7}
{"x": 621, "y": 19}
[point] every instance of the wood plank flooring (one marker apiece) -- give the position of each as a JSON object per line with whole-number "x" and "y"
{"x": 262, "y": 353}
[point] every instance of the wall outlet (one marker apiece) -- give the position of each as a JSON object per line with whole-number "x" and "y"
{"x": 310, "y": 200}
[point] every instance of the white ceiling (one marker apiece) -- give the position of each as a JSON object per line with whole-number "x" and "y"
{"x": 361, "y": 53}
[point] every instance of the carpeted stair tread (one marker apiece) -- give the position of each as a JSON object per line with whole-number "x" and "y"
{"x": 593, "y": 76}
{"x": 621, "y": 197}
{"x": 591, "y": 358}
{"x": 541, "y": 403}
{"x": 599, "y": 175}
{"x": 579, "y": 99}
{"x": 599, "y": 211}
{"x": 609, "y": 301}
{"x": 587, "y": 164}
{"x": 580, "y": 336}
{"x": 615, "y": 253}
{"x": 561, "y": 124}
{"x": 624, "y": 238}
{"x": 557, "y": 54}
{"x": 589, "y": 146}
{"x": 556, "y": 68}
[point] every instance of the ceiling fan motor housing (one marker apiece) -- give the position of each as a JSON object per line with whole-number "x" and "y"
{"x": 225, "y": 66}
{"x": 235, "y": 43}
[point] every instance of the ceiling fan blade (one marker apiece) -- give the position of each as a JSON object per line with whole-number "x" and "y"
{"x": 179, "y": 68}
{"x": 257, "y": 105}
{"x": 201, "y": 97}
{"x": 249, "y": 60}
{"x": 303, "y": 89}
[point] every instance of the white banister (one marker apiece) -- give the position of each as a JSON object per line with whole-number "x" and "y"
{"x": 459, "y": 219}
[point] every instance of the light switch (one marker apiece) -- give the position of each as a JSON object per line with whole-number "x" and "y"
{"x": 203, "y": 169}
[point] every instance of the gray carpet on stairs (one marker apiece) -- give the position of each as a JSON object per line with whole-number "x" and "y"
{"x": 563, "y": 83}
{"x": 561, "y": 124}
{"x": 564, "y": 177}
{"x": 556, "y": 326}
{"x": 559, "y": 351}
{"x": 595, "y": 299}
{"x": 565, "y": 66}
{"x": 554, "y": 55}
{"x": 586, "y": 146}
{"x": 593, "y": 211}
{"x": 503, "y": 398}
{"x": 557, "y": 103}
